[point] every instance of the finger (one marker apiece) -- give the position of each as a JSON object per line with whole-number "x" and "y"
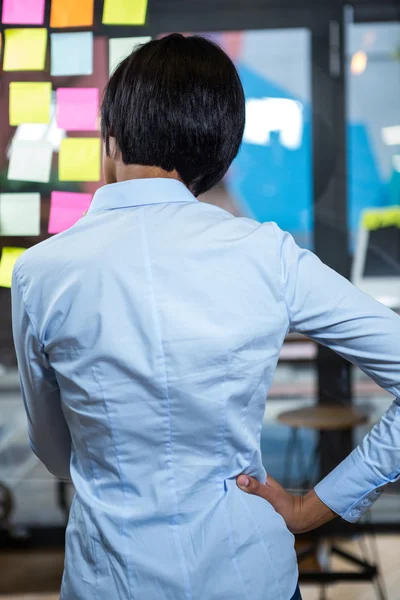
{"x": 250, "y": 485}
{"x": 276, "y": 496}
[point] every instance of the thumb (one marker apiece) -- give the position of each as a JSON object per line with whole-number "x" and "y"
{"x": 271, "y": 491}
{"x": 252, "y": 486}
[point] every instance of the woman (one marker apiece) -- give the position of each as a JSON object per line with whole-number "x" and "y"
{"x": 147, "y": 337}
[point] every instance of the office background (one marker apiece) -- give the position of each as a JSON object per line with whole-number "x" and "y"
{"x": 321, "y": 145}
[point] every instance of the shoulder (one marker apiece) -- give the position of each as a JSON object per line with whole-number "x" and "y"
{"x": 32, "y": 257}
{"x": 244, "y": 224}
{"x": 38, "y": 261}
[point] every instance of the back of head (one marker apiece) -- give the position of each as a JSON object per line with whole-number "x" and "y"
{"x": 176, "y": 103}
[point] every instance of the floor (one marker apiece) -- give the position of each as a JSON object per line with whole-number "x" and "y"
{"x": 44, "y": 570}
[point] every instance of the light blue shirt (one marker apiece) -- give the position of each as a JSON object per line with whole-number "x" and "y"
{"x": 147, "y": 336}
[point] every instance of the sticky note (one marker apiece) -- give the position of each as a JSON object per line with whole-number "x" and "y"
{"x": 8, "y": 259}
{"x": 30, "y": 161}
{"x": 66, "y": 208}
{"x": 23, "y": 12}
{"x": 79, "y": 159}
{"x": 77, "y": 109}
{"x": 30, "y": 102}
{"x": 71, "y": 13}
{"x": 124, "y": 12}
{"x": 19, "y": 214}
{"x": 72, "y": 53}
{"x": 25, "y": 49}
{"x": 120, "y": 48}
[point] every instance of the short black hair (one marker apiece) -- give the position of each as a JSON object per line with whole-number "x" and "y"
{"x": 176, "y": 103}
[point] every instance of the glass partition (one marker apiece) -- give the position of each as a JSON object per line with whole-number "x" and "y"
{"x": 373, "y": 112}
{"x": 271, "y": 179}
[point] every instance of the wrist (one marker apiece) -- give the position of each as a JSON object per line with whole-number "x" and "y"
{"x": 313, "y": 512}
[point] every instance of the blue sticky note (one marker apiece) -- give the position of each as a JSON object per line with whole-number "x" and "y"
{"x": 72, "y": 53}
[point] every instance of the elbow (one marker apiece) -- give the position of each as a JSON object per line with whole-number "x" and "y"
{"x": 60, "y": 473}
{"x": 57, "y": 465}
{"x": 59, "y": 469}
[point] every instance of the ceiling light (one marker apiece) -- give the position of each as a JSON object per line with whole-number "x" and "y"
{"x": 358, "y": 62}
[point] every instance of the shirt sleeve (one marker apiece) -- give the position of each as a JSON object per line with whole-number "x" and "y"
{"x": 326, "y": 307}
{"x": 48, "y": 432}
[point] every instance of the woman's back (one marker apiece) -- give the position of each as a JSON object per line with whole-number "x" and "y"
{"x": 163, "y": 320}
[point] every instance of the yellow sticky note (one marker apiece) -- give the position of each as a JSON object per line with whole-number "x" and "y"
{"x": 124, "y": 12}
{"x": 25, "y": 49}
{"x": 8, "y": 259}
{"x": 381, "y": 217}
{"x": 79, "y": 159}
{"x": 30, "y": 102}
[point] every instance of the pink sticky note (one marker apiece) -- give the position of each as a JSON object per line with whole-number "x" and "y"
{"x": 23, "y": 12}
{"x": 66, "y": 208}
{"x": 77, "y": 108}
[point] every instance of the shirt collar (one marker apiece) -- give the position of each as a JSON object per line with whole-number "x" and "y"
{"x": 140, "y": 192}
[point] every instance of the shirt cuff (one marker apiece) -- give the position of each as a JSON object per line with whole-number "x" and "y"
{"x": 344, "y": 489}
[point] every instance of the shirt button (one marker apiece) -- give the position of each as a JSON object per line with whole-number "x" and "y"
{"x": 354, "y": 513}
{"x": 366, "y": 502}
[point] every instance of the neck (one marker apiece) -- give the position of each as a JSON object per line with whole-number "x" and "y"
{"x": 127, "y": 172}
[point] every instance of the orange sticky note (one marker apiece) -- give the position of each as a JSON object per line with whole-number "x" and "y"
{"x": 71, "y": 13}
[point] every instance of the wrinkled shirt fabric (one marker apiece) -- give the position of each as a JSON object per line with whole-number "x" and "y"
{"x": 147, "y": 337}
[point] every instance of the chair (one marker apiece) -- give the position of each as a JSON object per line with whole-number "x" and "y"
{"x": 327, "y": 418}
{"x": 316, "y": 418}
